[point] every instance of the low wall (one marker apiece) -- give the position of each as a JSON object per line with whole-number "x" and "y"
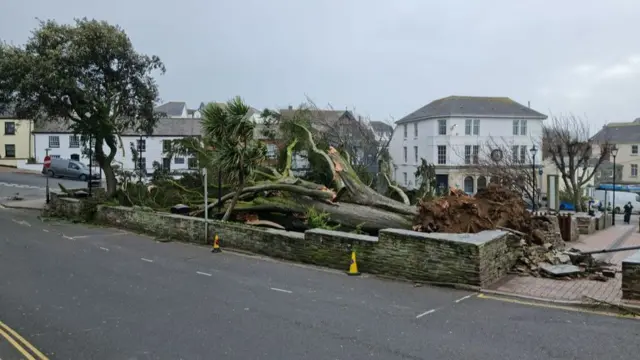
{"x": 586, "y": 224}
{"x": 631, "y": 277}
{"x": 473, "y": 259}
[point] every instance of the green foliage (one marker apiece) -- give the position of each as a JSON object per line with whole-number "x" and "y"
{"x": 87, "y": 75}
{"x": 319, "y": 220}
{"x": 426, "y": 176}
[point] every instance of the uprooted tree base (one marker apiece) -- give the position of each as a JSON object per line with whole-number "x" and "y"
{"x": 494, "y": 207}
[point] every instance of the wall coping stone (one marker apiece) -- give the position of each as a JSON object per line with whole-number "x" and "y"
{"x": 341, "y": 234}
{"x": 475, "y": 239}
{"x": 633, "y": 259}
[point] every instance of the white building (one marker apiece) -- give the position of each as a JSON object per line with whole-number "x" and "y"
{"x": 64, "y": 144}
{"x": 455, "y": 131}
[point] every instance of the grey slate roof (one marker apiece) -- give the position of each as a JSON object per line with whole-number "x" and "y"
{"x": 620, "y": 133}
{"x": 380, "y": 126}
{"x": 472, "y": 106}
{"x": 172, "y": 108}
{"x": 164, "y": 127}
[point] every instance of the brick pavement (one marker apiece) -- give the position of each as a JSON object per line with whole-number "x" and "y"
{"x": 575, "y": 290}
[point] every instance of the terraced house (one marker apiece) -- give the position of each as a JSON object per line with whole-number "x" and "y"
{"x": 454, "y": 132}
{"x": 16, "y": 142}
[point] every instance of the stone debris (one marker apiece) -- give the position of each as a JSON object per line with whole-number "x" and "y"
{"x": 548, "y": 261}
{"x": 560, "y": 270}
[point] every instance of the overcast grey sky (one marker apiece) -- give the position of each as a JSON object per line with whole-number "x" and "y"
{"x": 383, "y": 58}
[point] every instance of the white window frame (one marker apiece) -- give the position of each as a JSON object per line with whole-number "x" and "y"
{"x": 404, "y": 154}
{"x": 441, "y": 157}
{"x": 442, "y": 126}
{"x": 415, "y": 154}
{"x": 634, "y": 170}
{"x": 74, "y": 142}
{"x": 516, "y": 127}
{"x": 634, "y": 149}
{"x": 54, "y": 141}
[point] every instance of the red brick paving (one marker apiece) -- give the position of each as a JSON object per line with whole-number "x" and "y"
{"x": 575, "y": 290}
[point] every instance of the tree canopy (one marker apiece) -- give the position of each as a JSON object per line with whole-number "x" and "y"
{"x": 86, "y": 75}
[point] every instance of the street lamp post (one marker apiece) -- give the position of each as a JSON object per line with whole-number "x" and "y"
{"x": 539, "y": 192}
{"x": 614, "y": 153}
{"x": 140, "y": 158}
{"x": 534, "y": 151}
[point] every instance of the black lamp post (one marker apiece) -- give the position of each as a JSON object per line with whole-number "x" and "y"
{"x": 534, "y": 151}
{"x": 614, "y": 153}
{"x": 140, "y": 158}
{"x": 539, "y": 192}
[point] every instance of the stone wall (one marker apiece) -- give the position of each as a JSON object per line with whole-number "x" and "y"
{"x": 473, "y": 259}
{"x": 631, "y": 277}
{"x": 586, "y": 224}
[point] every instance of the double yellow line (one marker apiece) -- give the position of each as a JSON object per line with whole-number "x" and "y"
{"x": 21, "y": 343}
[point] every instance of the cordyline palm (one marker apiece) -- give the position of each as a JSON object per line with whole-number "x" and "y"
{"x": 227, "y": 144}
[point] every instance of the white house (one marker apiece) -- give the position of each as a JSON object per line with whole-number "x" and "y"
{"x": 62, "y": 143}
{"x": 178, "y": 109}
{"x": 454, "y": 131}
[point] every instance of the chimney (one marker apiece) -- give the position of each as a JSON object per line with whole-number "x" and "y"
{"x": 290, "y": 107}
{"x": 529, "y": 104}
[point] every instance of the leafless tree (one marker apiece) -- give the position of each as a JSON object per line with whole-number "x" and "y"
{"x": 568, "y": 144}
{"x": 505, "y": 163}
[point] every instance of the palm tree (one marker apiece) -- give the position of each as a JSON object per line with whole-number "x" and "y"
{"x": 227, "y": 144}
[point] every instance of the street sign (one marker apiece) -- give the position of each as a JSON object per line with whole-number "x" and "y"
{"x": 47, "y": 161}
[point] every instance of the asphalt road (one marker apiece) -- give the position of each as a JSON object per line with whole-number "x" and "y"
{"x": 30, "y": 186}
{"x": 78, "y": 292}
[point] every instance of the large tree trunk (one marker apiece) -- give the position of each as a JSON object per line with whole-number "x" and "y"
{"x": 110, "y": 178}
{"x": 237, "y": 194}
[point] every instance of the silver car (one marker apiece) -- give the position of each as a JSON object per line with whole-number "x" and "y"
{"x": 65, "y": 168}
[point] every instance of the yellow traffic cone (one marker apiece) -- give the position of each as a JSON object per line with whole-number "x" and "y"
{"x": 353, "y": 268}
{"x": 216, "y": 244}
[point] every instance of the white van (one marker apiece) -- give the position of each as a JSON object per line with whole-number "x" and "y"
{"x": 622, "y": 198}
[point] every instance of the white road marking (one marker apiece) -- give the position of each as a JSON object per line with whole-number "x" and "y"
{"x": 80, "y": 237}
{"x": 45, "y": 230}
{"x": 464, "y": 298}
{"x": 21, "y": 222}
{"x": 203, "y": 273}
{"x": 426, "y": 313}
{"x": 68, "y": 237}
{"x": 104, "y": 248}
{"x": 147, "y": 260}
{"x": 282, "y": 290}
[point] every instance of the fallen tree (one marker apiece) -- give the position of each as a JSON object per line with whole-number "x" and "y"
{"x": 352, "y": 204}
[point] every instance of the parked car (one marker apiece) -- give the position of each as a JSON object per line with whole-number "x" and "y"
{"x": 66, "y": 168}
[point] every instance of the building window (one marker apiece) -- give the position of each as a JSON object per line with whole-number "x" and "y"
{"x": 272, "y": 151}
{"x": 468, "y": 124}
{"x": 634, "y": 149}
{"x": 523, "y": 154}
{"x": 9, "y": 150}
{"x": 166, "y": 164}
{"x": 442, "y": 154}
{"x": 415, "y": 154}
{"x": 474, "y": 153}
{"x": 166, "y": 146}
{"x": 442, "y": 127}
{"x": 482, "y": 182}
{"x": 634, "y": 170}
{"x": 405, "y": 130}
{"x": 415, "y": 129}
{"x": 142, "y": 145}
{"x": 404, "y": 154}
{"x": 54, "y": 141}
{"x": 192, "y": 163}
{"x": 468, "y": 185}
{"x": 141, "y": 164}
{"x": 515, "y": 151}
{"x": 9, "y": 128}
{"x": 74, "y": 141}
{"x": 476, "y": 126}
{"x": 55, "y": 156}
{"x": 178, "y": 160}
{"x": 467, "y": 154}
{"x": 516, "y": 127}
{"x": 75, "y": 157}
{"x": 406, "y": 178}
{"x": 523, "y": 127}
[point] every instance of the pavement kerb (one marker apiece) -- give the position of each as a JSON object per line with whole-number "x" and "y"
{"x": 615, "y": 308}
{"x": 616, "y": 243}
{"x": 28, "y": 207}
